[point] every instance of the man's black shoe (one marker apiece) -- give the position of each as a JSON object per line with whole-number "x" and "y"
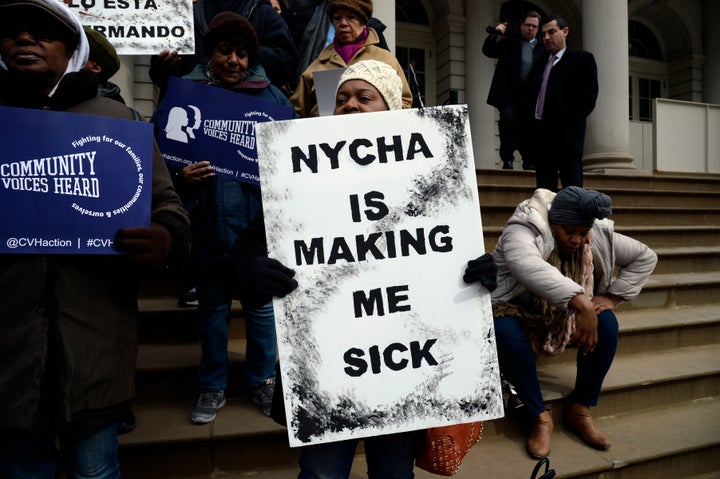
{"x": 507, "y": 165}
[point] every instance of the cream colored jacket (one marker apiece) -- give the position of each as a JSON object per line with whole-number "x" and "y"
{"x": 526, "y": 243}
{"x": 304, "y": 99}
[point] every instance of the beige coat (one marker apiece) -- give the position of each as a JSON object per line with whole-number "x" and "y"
{"x": 304, "y": 99}
{"x": 526, "y": 243}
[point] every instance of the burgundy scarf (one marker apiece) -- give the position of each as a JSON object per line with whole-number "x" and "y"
{"x": 346, "y": 52}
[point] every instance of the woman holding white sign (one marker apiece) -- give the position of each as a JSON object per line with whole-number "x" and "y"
{"x": 353, "y": 42}
{"x": 555, "y": 290}
{"x": 366, "y": 86}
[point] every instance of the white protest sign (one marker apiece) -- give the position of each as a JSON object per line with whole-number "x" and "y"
{"x": 140, "y": 27}
{"x": 378, "y": 215}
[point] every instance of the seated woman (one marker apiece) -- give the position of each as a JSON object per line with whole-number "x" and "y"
{"x": 555, "y": 289}
{"x": 353, "y": 42}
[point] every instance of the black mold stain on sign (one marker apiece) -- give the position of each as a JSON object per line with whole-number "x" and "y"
{"x": 315, "y": 411}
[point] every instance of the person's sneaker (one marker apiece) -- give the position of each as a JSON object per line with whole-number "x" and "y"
{"x": 207, "y": 405}
{"x": 263, "y": 394}
{"x": 189, "y": 299}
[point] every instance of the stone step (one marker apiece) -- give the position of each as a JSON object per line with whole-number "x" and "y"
{"x": 669, "y": 290}
{"x": 649, "y": 330}
{"x": 641, "y": 330}
{"x": 163, "y": 321}
{"x": 639, "y": 181}
{"x": 498, "y": 214}
{"x": 638, "y": 381}
{"x": 514, "y": 194}
{"x": 653, "y": 236}
{"x": 635, "y": 381}
{"x": 243, "y": 442}
{"x": 699, "y": 259}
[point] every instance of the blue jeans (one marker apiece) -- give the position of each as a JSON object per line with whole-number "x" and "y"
{"x": 214, "y": 302}
{"x": 85, "y": 453}
{"x": 517, "y": 362}
{"x": 388, "y": 457}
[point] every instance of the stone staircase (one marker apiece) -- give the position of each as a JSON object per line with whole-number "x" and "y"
{"x": 660, "y": 403}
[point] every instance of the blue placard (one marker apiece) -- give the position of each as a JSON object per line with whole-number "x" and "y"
{"x": 69, "y": 182}
{"x": 205, "y": 123}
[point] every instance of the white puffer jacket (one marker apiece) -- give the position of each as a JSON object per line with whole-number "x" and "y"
{"x": 526, "y": 243}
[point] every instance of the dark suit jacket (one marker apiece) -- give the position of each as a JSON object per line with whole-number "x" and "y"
{"x": 570, "y": 97}
{"x": 507, "y": 88}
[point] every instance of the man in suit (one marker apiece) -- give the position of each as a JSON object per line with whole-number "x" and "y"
{"x": 517, "y": 50}
{"x": 562, "y": 93}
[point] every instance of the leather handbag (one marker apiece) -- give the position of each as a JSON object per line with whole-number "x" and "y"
{"x": 548, "y": 474}
{"x": 442, "y": 449}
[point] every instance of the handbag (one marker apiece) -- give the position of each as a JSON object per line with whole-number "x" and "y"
{"x": 548, "y": 474}
{"x": 442, "y": 449}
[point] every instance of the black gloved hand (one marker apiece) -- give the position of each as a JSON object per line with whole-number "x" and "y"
{"x": 147, "y": 245}
{"x": 269, "y": 277}
{"x": 482, "y": 269}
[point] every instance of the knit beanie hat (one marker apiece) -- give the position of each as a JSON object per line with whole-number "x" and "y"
{"x": 577, "y": 206}
{"x": 103, "y": 53}
{"x": 233, "y": 28}
{"x": 60, "y": 13}
{"x": 380, "y": 75}
{"x": 362, "y": 8}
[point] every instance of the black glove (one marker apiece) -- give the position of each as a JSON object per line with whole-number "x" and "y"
{"x": 482, "y": 269}
{"x": 269, "y": 277}
{"x": 147, "y": 245}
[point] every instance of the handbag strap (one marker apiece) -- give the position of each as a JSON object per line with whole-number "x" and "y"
{"x": 548, "y": 474}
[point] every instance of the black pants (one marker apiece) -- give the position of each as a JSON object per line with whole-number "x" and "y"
{"x": 511, "y": 134}
{"x": 552, "y": 158}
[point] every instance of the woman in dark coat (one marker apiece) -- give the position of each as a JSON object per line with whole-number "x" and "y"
{"x": 68, "y": 344}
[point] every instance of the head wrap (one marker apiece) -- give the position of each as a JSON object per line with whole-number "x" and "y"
{"x": 59, "y": 12}
{"x": 362, "y": 8}
{"x": 577, "y": 206}
{"x": 380, "y": 75}
{"x": 229, "y": 26}
{"x": 103, "y": 53}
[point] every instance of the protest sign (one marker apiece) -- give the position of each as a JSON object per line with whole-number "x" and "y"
{"x": 69, "y": 182}
{"x": 204, "y": 123}
{"x": 378, "y": 215}
{"x": 140, "y": 27}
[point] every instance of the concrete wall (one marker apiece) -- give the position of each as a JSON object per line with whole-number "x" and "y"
{"x": 686, "y": 137}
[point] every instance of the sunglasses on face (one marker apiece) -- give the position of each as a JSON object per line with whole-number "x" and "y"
{"x": 39, "y": 29}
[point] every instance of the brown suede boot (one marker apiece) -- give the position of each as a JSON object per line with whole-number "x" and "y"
{"x": 579, "y": 420}
{"x": 538, "y": 443}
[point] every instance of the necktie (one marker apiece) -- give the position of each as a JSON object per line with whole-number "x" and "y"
{"x": 543, "y": 87}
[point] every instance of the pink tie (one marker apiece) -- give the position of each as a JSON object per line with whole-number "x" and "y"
{"x": 543, "y": 87}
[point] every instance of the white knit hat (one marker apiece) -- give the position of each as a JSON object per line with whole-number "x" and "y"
{"x": 380, "y": 75}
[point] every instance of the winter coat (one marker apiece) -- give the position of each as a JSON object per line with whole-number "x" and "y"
{"x": 526, "y": 243}
{"x": 507, "y": 87}
{"x": 220, "y": 207}
{"x": 68, "y": 347}
{"x": 304, "y": 98}
{"x": 277, "y": 52}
